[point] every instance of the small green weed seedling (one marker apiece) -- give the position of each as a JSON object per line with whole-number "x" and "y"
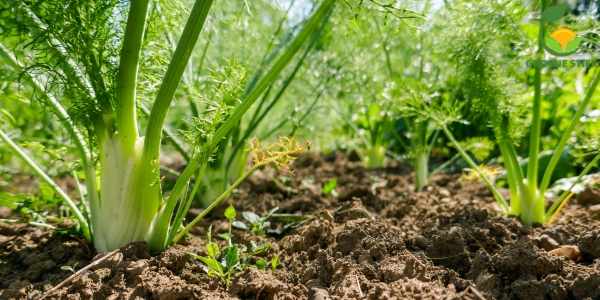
{"x": 274, "y": 264}
{"x": 69, "y": 268}
{"x": 258, "y": 224}
{"x": 329, "y": 188}
{"x": 233, "y": 259}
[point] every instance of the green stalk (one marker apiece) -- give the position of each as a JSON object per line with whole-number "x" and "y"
{"x": 444, "y": 165}
{"x": 37, "y": 170}
{"x": 513, "y": 183}
{"x": 158, "y": 238}
{"x": 180, "y": 216}
{"x": 511, "y": 164}
{"x": 568, "y": 191}
{"x": 175, "y": 141}
{"x": 215, "y": 203}
{"x": 421, "y": 163}
{"x": 536, "y": 124}
{"x": 567, "y": 135}
{"x": 28, "y": 223}
{"x": 420, "y": 155}
{"x": 167, "y": 90}
{"x": 467, "y": 158}
{"x": 128, "y": 71}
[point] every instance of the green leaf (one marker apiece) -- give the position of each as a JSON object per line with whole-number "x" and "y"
{"x": 261, "y": 264}
{"x": 47, "y": 192}
{"x": 230, "y": 213}
{"x": 573, "y": 44}
{"x": 8, "y": 116}
{"x": 66, "y": 268}
{"x": 553, "y": 44}
{"x": 212, "y": 249}
{"x": 274, "y": 263}
{"x": 329, "y": 186}
{"x": 259, "y": 248}
{"x": 554, "y": 13}
{"x": 251, "y": 217}
{"x": 225, "y": 236}
{"x": 240, "y": 225}
{"x": 212, "y": 264}
{"x": 288, "y": 218}
{"x": 230, "y": 256}
{"x": 272, "y": 211}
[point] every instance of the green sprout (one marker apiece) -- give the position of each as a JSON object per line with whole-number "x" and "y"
{"x": 234, "y": 258}
{"x": 274, "y": 264}
{"x": 258, "y": 224}
{"x": 329, "y": 187}
{"x": 69, "y": 268}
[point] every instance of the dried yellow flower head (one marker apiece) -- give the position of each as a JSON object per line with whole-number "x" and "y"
{"x": 471, "y": 175}
{"x": 281, "y": 153}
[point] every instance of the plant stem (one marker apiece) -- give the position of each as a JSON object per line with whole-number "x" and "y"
{"x": 216, "y": 202}
{"x": 186, "y": 44}
{"x": 28, "y": 223}
{"x": 567, "y": 135}
{"x": 568, "y": 191}
{"x": 157, "y": 241}
{"x": 82, "y": 221}
{"x": 536, "y": 123}
{"x": 128, "y": 71}
{"x": 180, "y": 216}
{"x": 421, "y": 163}
{"x": 472, "y": 164}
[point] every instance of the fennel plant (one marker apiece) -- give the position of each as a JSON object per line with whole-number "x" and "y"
{"x": 487, "y": 70}
{"x": 91, "y": 64}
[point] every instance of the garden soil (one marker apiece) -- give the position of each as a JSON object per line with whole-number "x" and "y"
{"x": 379, "y": 239}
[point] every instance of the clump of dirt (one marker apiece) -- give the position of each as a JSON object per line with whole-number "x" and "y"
{"x": 378, "y": 240}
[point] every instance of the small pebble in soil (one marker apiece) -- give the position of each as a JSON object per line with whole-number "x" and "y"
{"x": 567, "y": 251}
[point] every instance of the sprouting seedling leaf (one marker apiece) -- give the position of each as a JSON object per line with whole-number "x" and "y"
{"x": 251, "y": 217}
{"x": 225, "y": 235}
{"x": 573, "y": 44}
{"x": 230, "y": 213}
{"x": 554, "y": 13}
{"x": 272, "y": 211}
{"x": 212, "y": 249}
{"x": 274, "y": 264}
{"x": 230, "y": 257}
{"x": 69, "y": 268}
{"x": 329, "y": 186}
{"x": 213, "y": 265}
{"x": 553, "y": 44}
{"x": 208, "y": 233}
{"x": 240, "y": 225}
{"x": 261, "y": 264}
{"x": 259, "y": 248}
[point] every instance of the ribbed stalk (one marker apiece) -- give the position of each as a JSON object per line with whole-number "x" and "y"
{"x": 421, "y": 163}
{"x": 128, "y": 71}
